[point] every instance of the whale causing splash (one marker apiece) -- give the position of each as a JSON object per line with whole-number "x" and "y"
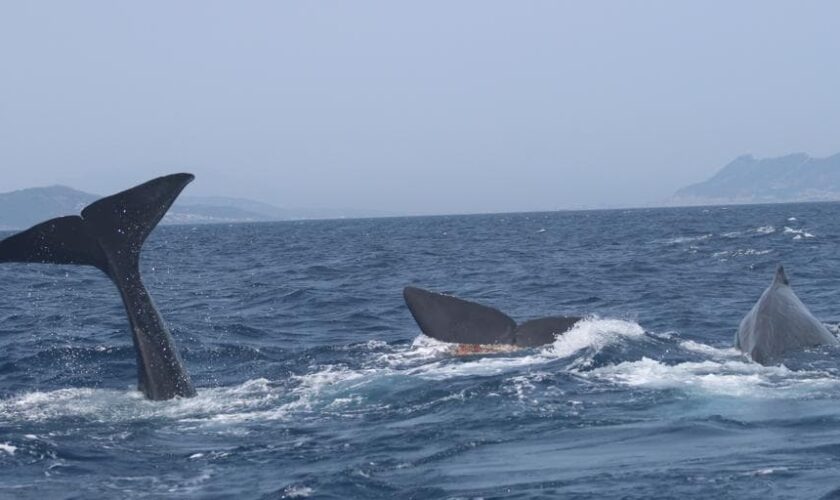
{"x": 476, "y": 328}
{"x": 779, "y": 323}
{"x": 109, "y": 235}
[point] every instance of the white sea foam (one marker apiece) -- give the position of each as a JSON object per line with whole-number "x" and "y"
{"x": 688, "y": 239}
{"x": 594, "y": 333}
{"x": 428, "y": 358}
{"x": 521, "y": 386}
{"x": 476, "y": 366}
{"x": 422, "y": 348}
{"x": 326, "y": 389}
{"x": 297, "y": 492}
{"x": 7, "y": 448}
{"x": 748, "y": 252}
{"x": 336, "y": 389}
{"x": 720, "y": 377}
{"x": 109, "y": 405}
{"x": 331, "y": 388}
{"x": 312, "y": 385}
{"x": 717, "y": 352}
{"x": 767, "y": 471}
{"x": 799, "y": 233}
{"x": 765, "y": 230}
{"x": 591, "y": 333}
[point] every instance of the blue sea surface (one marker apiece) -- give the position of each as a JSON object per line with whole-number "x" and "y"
{"x": 314, "y": 381}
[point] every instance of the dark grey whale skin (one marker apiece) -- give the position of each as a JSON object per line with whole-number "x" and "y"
{"x": 109, "y": 235}
{"x": 778, "y": 324}
{"x": 450, "y": 319}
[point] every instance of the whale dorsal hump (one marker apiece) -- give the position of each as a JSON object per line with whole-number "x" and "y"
{"x": 781, "y": 278}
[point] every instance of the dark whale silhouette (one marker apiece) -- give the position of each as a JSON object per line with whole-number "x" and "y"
{"x": 108, "y": 235}
{"x": 450, "y": 319}
{"x": 778, "y": 324}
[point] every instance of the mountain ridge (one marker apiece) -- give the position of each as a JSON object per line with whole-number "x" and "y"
{"x": 26, "y": 207}
{"x": 794, "y": 177}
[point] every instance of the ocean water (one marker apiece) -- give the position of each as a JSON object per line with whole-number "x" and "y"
{"x": 314, "y": 381}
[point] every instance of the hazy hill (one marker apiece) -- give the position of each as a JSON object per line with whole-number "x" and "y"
{"x": 23, "y": 208}
{"x": 795, "y": 177}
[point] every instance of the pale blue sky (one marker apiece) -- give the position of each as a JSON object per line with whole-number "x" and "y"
{"x": 421, "y": 107}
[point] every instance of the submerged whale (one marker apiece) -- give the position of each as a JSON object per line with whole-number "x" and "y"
{"x": 478, "y": 328}
{"x": 108, "y": 235}
{"x": 779, "y": 323}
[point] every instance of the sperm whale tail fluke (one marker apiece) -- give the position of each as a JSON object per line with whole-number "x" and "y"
{"x": 779, "y": 323}
{"x": 450, "y": 319}
{"x": 109, "y": 235}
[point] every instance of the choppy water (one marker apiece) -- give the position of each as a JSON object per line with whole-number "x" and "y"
{"x": 314, "y": 381}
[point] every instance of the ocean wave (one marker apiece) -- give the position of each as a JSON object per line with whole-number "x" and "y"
{"x": 737, "y": 378}
{"x": 748, "y": 252}
{"x": 325, "y": 389}
{"x": 798, "y": 233}
{"x": 297, "y": 492}
{"x": 110, "y": 405}
{"x": 688, "y": 239}
{"x": 591, "y": 334}
{"x": 339, "y": 390}
{"x": 594, "y": 334}
{"x": 716, "y": 352}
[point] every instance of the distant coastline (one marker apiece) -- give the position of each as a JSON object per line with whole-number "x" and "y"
{"x": 791, "y": 178}
{"x": 25, "y": 207}
{"x": 794, "y": 178}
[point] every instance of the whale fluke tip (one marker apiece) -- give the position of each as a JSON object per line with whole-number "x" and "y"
{"x": 450, "y": 319}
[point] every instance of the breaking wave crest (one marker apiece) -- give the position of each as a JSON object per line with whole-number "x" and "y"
{"x": 739, "y": 378}
{"x": 324, "y": 389}
{"x": 588, "y": 351}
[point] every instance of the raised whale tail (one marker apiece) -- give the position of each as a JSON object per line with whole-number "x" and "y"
{"x": 109, "y": 235}
{"x": 450, "y": 319}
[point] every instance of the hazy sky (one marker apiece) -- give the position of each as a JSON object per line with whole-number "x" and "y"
{"x": 413, "y": 107}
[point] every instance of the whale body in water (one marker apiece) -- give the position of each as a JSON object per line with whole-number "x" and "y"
{"x": 479, "y": 329}
{"x": 108, "y": 235}
{"x": 779, "y": 323}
